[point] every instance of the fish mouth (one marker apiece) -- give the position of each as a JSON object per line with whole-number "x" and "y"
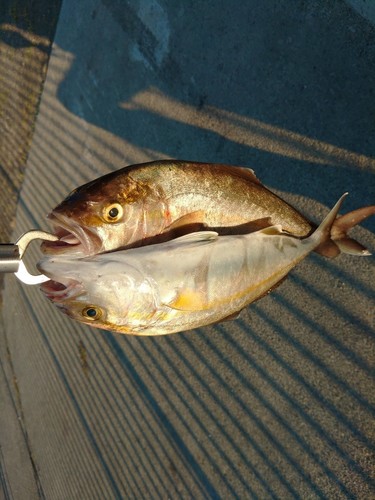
{"x": 73, "y": 239}
{"x": 60, "y": 292}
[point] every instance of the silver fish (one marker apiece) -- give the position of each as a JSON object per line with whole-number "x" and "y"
{"x": 191, "y": 281}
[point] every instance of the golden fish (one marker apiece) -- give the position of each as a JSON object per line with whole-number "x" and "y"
{"x": 157, "y": 201}
{"x": 191, "y": 281}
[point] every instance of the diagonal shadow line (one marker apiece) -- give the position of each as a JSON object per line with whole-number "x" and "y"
{"x": 69, "y": 153}
{"x": 224, "y": 433}
{"x": 202, "y": 449}
{"x": 88, "y": 422}
{"x": 124, "y": 449}
{"x": 309, "y": 149}
{"x": 85, "y": 424}
{"x": 293, "y": 403}
{"x": 243, "y": 430}
{"x": 251, "y": 130}
{"x": 42, "y": 189}
{"x": 59, "y": 82}
{"x": 59, "y": 138}
{"x": 295, "y": 375}
{"x": 58, "y": 126}
{"x": 42, "y": 155}
{"x": 322, "y": 367}
{"x": 4, "y": 483}
{"x": 11, "y": 66}
{"x": 5, "y": 175}
{"x": 354, "y": 465}
{"x": 27, "y": 211}
{"x": 295, "y": 495}
{"x": 130, "y": 407}
{"x": 116, "y": 398}
{"x": 5, "y": 487}
{"x": 331, "y": 266}
{"x": 297, "y": 344}
{"x": 320, "y": 330}
{"x": 52, "y": 132}
{"x": 326, "y": 336}
{"x": 278, "y": 417}
{"x": 117, "y": 446}
{"x": 207, "y": 486}
{"x": 70, "y": 370}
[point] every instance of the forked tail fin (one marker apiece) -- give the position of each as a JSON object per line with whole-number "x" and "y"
{"x": 339, "y": 241}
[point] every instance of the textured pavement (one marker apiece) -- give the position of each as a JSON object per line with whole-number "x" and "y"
{"x": 278, "y": 404}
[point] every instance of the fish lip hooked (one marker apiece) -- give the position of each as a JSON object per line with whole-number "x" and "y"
{"x": 72, "y": 239}
{"x": 59, "y": 292}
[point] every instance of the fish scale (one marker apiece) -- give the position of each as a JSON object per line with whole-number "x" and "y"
{"x": 129, "y": 223}
{"x": 191, "y": 281}
{"x": 160, "y": 197}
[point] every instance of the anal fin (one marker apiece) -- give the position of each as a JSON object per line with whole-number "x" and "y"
{"x": 230, "y": 317}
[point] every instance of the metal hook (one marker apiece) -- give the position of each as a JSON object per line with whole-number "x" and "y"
{"x": 11, "y": 255}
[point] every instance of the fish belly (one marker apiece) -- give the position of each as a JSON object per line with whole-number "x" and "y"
{"x": 229, "y": 275}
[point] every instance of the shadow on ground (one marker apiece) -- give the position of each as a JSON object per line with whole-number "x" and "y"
{"x": 276, "y": 404}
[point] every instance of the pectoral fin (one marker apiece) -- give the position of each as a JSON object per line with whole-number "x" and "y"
{"x": 188, "y": 300}
{"x": 188, "y": 221}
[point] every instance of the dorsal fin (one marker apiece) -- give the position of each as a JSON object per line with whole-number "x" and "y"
{"x": 249, "y": 174}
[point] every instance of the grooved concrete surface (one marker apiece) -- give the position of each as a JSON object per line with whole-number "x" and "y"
{"x": 278, "y": 404}
{"x": 26, "y": 34}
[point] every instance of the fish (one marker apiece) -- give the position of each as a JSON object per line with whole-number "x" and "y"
{"x": 191, "y": 281}
{"x": 159, "y": 201}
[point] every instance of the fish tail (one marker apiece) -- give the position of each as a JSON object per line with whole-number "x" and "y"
{"x": 323, "y": 233}
{"x": 338, "y": 241}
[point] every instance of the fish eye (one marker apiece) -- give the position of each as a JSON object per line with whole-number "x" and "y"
{"x": 113, "y": 212}
{"x": 91, "y": 312}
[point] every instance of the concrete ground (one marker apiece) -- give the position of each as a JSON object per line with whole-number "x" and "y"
{"x": 278, "y": 404}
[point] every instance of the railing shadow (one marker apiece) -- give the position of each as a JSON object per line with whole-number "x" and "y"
{"x": 276, "y": 404}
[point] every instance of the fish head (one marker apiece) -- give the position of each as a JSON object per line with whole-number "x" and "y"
{"x": 74, "y": 301}
{"x": 111, "y": 212}
{"x": 94, "y": 291}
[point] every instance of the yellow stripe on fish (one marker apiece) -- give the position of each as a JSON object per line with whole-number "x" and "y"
{"x": 191, "y": 281}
